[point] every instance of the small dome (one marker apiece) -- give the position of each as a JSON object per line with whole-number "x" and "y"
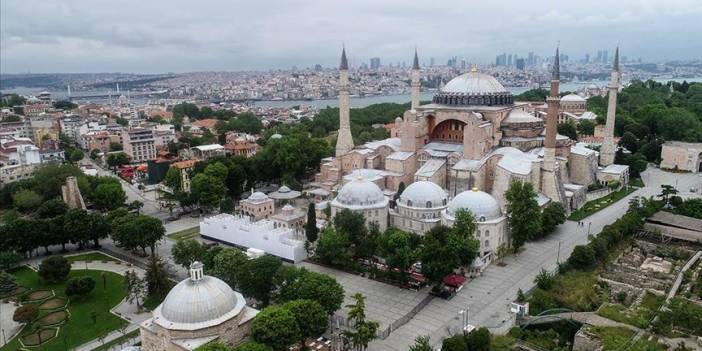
{"x": 288, "y": 208}
{"x": 276, "y": 136}
{"x": 360, "y": 192}
{"x": 481, "y": 204}
{"x": 424, "y": 194}
{"x": 198, "y": 302}
{"x": 521, "y": 116}
{"x": 258, "y": 197}
{"x": 474, "y": 82}
{"x": 572, "y": 98}
{"x": 284, "y": 189}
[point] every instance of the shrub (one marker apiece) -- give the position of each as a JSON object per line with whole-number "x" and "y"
{"x": 583, "y": 257}
{"x": 25, "y": 314}
{"x": 544, "y": 280}
{"x": 80, "y": 286}
{"x": 54, "y": 269}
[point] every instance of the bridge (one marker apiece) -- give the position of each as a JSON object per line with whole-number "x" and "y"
{"x": 115, "y": 95}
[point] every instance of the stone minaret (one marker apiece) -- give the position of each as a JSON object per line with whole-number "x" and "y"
{"x": 608, "y": 147}
{"x": 550, "y": 172}
{"x": 552, "y": 117}
{"x": 344, "y": 141}
{"x": 415, "y": 81}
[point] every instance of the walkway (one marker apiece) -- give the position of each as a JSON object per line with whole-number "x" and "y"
{"x": 591, "y": 318}
{"x": 9, "y": 327}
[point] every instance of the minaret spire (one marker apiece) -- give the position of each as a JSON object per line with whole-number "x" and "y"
{"x": 608, "y": 148}
{"x": 344, "y": 141}
{"x": 556, "y": 73}
{"x": 550, "y": 180}
{"x": 415, "y": 85}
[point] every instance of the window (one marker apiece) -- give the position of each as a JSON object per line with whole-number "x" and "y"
{"x": 487, "y": 233}
{"x": 409, "y": 203}
{"x": 482, "y": 219}
{"x": 487, "y": 243}
{"x": 429, "y": 204}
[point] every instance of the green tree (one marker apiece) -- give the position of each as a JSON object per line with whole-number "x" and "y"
{"x": 135, "y": 287}
{"x": 54, "y": 269}
{"x": 185, "y": 252}
{"x": 311, "y": 230}
{"x": 276, "y": 327}
{"x": 109, "y": 196}
{"x": 523, "y": 213}
{"x": 137, "y": 231}
{"x": 333, "y": 248}
{"x": 583, "y": 257}
{"x": 255, "y": 279}
{"x": 9, "y": 259}
{"x": 532, "y": 95}
{"x": 568, "y": 129}
{"x": 26, "y": 200}
{"x": 666, "y": 192}
{"x": 439, "y": 258}
{"x": 399, "y": 249}
{"x": 311, "y": 318}
{"x": 156, "y": 279}
{"x": 116, "y": 147}
{"x": 421, "y": 343}
{"x": 172, "y": 179}
{"x": 64, "y": 105}
{"x": 76, "y": 155}
{"x": 51, "y": 208}
{"x": 208, "y": 191}
{"x": 552, "y": 216}
{"x": 587, "y": 127}
{"x": 462, "y": 237}
{"x": 79, "y": 286}
{"x": 478, "y": 340}
{"x": 252, "y": 346}
{"x": 115, "y": 160}
{"x": 300, "y": 284}
{"x": 544, "y": 280}
{"x": 364, "y": 331}
{"x": 629, "y": 141}
{"x": 227, "y": 264}
{"x": 454, "y": 343}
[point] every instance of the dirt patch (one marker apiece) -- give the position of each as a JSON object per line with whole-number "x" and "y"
{"x": 52, "y": 318}
{"x": 38, "y": 295}
{"x": 33, "y": 338}
{"x": 52, "y": 304}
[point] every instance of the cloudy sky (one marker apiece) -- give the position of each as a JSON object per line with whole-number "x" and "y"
{"x": 154, "y": 36}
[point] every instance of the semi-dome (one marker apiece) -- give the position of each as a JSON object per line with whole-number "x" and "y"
{"x": 360, "y": 192}
{"x": 198, "y": 302}
{"x": 521, "y": 116}
{"x": 424, "y": 194}
{"x": 572, "y": 98}
{"x": 481, "y": 204}
{"x": 473, "y": 88}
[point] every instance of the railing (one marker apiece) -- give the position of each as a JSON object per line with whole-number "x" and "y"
{"x": 406, "y": 318}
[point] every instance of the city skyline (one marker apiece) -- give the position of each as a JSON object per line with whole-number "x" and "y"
{"x": 158, "y": 37}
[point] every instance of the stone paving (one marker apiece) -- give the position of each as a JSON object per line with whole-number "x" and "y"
{"x": 8, "y": 326}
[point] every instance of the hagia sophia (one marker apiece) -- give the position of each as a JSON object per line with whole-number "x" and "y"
{"x": 462, "y": 151}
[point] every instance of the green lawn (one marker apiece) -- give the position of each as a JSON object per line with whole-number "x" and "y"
{"x": 638, "y": 316}
{"x": 190, "y": 233}
{"x": 80, "y": 327}
{"x": 615, "y": 338}
{"x": 91, "y": 256}
{"x": 596, "y": 205}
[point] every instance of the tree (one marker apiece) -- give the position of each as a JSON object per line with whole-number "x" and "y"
{"x": 9, "y": 259}
{"x": 552, "y": 216}
{"x": 80, "y": 286}
{"x": 454, "y": 343}
{"x": 478, "y": 340}
{"x": 172, "y": 179}
{"x": 587, "y": 127}
{"x": 185, "y": 252}
{"x": 116, "y": 147}
{"x": 157, "y": 283}
{"x": 311, "y": 318}
{"x": 51, "y": 208}
{"x": 311, "y": 229}
{"x": 76, "y": 155}
{"x": 296, "y": 284}
{"x": 7, "y": 284}
{"x": 54, "y": 269}
{"x": 252, "y": 346}
{"x": 115, "y": 160}
{"x": 135, "y": 286}
{"x": 25, "y": 313}
{"x": 333, "y": 248}
{"x": 399, "y": 249}
{"x": 64, "y": 105}
{"x": 666, "y": 192}
{"x": 532, "y": 95}
{"x": 583, "y": 257}
{"x": 462, "y": 237}
{"x": 135, "y": 205}
{"x": 77, "y": 225}
{"x": 26, "y": 200}
{"x": 227, "y": 264}
{"x": 421, "y": 343}
{"x": 255, "y": 279}
{"x": 137, "y": 231}
{"x": 109, "y": 196}
{"x": 208, "y": 190}
{"x": 365, "y": 331}
{"x": 523, "y": 213}
{"x": 568, "y": 129}
{"x": 276, "y": 327}
{"x": 629, "y": 141}
{"x": 544, "y": 280}
{"x": 353, "y": 224}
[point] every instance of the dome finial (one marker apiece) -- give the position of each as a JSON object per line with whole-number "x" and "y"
{"x": 475, "y": 188}
{"x": 474, "y": 68}
{"x": 196, "y": 269}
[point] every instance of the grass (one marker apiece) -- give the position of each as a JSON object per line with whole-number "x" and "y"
{"x": 190, "y": 233}
{"x": 118, "y": 341}
{"x": 80, "y": 327}
{"x": 637, "y": 182}
{"x": 615, "y": 338}
{"x": 638, "y": 316}
{"x": 575, "y": 290}
{"x": 591, "y": 207}
{"x": 502, "y": 343}
{"x": 91, "y": 256}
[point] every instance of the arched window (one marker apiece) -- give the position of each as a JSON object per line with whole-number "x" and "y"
{"x": 487, "y": 243}
{"x": 487, "y": 233}
{"x": 443, "y": 202}
{"x": 409, "y": 203}
{"x": 482, "y": 219}
{"x": 429, "y": 204}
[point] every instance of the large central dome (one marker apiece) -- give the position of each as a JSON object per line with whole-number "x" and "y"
{"x": 473, "y": 89}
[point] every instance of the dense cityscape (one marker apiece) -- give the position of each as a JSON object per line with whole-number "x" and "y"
{"x": 504, "y": 198}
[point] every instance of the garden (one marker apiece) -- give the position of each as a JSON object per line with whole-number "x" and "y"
{"x": 48, "y": 309}
{"x": 591, "y": 207}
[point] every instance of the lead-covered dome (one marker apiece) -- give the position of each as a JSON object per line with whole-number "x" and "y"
{"x": 473, "y": 89}
{"x": 481, "y": 204}
{"x": 198, "y": 302}
{"x": 360, "y": 192}
{"x": 258, "y": 197}
{"x": 423, "y": 194}
{"x": 573, "y": 98}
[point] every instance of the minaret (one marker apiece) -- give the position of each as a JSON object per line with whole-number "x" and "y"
{"x": 553, "y": 103}
{"x": 344, "y": 141}
{"x": 550, "y": 173}
{"x": 196, "y": 269}
{"x": 608, "y": 147}
{"x": 415, "y": 81}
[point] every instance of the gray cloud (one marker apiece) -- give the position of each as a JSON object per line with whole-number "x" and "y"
{"x": 168, "y": 35}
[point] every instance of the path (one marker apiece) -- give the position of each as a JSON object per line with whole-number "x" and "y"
{"x": 487, "y": 298}
{"x": 8, "y": 327}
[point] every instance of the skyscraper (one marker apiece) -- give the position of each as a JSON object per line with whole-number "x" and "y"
{"x": 375, "y": 62}
{"x": 431, "y": 62}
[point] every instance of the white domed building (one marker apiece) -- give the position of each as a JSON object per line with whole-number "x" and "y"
{"x": 198, "y": 310}
{"x": 365, "y": 197}
{"x": 492, "y": 232}
{"x": 419, "y": 207}
{"x": 257, "y": 206}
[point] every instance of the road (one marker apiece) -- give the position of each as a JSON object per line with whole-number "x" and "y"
{"x": 487, "y": 298}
